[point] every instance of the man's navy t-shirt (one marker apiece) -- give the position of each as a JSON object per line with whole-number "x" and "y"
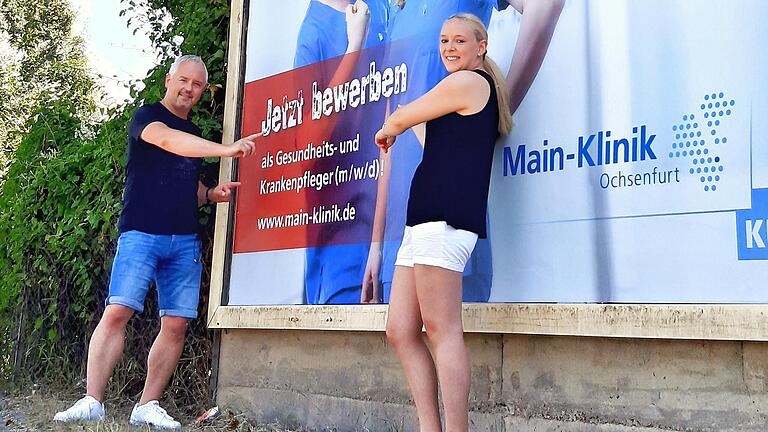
{"x": 160, "y": 187}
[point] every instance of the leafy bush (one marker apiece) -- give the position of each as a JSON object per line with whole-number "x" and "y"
{"x": 60, "y": 201}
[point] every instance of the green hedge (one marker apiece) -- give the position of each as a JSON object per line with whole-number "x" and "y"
{"x": 59, "y": 205}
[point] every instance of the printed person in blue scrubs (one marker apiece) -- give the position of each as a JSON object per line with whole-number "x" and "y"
{"x": 413, "y": 33}
{"x": 158, "y": 242}
{"x": 332, "y": 28}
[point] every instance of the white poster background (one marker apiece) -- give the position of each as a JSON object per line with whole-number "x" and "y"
{"x": 638, "y": 63}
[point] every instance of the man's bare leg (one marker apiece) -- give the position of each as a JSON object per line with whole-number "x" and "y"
{"x": 163, "y": 357}
{"x": 106, "y": 348}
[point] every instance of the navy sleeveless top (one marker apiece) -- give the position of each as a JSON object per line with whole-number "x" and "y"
{"x": 160, "y": 194}
{"x": 451, "y": 182}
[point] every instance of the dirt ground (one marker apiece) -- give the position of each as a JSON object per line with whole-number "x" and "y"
{"x": 35, "y": 411}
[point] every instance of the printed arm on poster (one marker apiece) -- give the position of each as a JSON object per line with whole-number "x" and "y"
{"x": 371, "y": 285}
{"x": 536, "y": 29}
{"x": 357, "y": 19}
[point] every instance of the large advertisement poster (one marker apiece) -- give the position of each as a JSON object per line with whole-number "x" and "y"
{"x": 637, "y": 169}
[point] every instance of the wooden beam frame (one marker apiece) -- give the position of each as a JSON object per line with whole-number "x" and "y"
{"x": 680, "y": 321}
{"x": 716, "y": 322}
{"x": 232, "y": 110}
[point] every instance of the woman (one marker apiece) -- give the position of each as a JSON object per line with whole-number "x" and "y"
{"x": 465, "y": 113}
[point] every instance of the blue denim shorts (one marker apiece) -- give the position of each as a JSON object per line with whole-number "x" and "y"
{"x": 172, "y": 261}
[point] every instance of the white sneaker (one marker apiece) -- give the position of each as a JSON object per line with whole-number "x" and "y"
{"x": 153, "y": 415}
{"x": 87, "y": 408}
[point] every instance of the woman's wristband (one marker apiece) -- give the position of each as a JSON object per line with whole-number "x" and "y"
{"x": 207, "y": 199}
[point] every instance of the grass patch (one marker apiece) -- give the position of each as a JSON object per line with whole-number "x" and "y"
{"x": 34, "y": 412}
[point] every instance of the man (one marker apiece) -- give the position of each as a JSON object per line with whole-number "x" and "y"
{"x": 158, "y": 241}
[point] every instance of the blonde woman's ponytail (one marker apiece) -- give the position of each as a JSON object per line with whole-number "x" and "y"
{"x": 499, "y": 80}
{"x": 502, "y": 96}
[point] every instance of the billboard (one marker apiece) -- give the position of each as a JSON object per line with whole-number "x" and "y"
{"x": 637, "y": 170}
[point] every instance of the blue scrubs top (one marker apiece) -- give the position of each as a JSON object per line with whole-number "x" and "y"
{"x": 414, "y": 33}
{"x": 323, "y": 33}
{"x": 334, "y": 273}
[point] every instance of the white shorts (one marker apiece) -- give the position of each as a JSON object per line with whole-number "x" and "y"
{"x": 436, "y": 244}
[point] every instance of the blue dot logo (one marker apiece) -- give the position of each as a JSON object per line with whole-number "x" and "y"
{"x": 714, "y": 107}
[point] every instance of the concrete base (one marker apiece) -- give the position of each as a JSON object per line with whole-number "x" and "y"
{"x": 352, "y": 381}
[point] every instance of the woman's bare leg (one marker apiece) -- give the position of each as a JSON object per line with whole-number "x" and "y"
{"x": 439, "y": 297}
{"x": 404, "y": 333}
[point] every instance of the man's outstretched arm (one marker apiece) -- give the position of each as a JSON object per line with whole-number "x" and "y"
{"x": 186, "y": 144}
